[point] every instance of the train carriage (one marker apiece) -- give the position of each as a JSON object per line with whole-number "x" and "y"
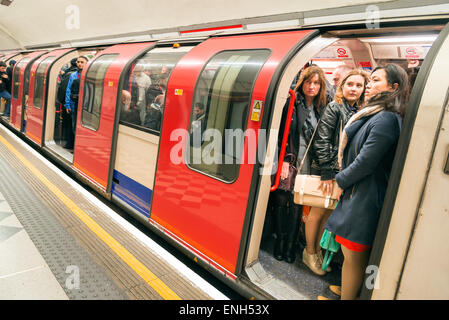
{"x": 136, "y": 124}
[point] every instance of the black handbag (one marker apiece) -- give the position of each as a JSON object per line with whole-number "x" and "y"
{"x": 288, "y": 183}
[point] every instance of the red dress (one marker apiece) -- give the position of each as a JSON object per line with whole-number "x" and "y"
{"x": 352, "y": 245}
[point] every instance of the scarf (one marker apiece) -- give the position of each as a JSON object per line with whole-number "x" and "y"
{"x": 365, "y": 112}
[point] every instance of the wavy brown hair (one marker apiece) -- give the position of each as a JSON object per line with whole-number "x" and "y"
{"x": 339, "y": 93}
{"x": 320, "y": 100}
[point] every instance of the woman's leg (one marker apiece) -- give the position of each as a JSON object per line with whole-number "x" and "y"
{"x": 325, "y": 216}
{"x": 312, "y": 225}
{"x": 354, "y": 266}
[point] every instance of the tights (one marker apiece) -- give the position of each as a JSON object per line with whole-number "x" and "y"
{"x": 353, "y": 270}
{"x": 314, "y": 228}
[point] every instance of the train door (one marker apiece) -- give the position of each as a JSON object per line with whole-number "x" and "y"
{"x": 53, "y": 121}
{"x": 39, "y": 81}
{"x": 20, "y": 88}
{"x": 202, "y": 189}
{"x": 97, "y": 111}
{"x": 141, "y": 107}
{"x": 262, "y": 269}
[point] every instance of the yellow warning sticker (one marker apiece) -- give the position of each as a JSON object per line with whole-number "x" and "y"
{"x": 255, "y": 116}
{"x": 257, "y": 109}
{"x": 178, "y": 92}
{"x": 111, "y": 83}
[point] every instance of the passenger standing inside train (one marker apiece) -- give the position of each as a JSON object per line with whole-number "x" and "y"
{"x": 310, "y": 100}
{"x": 366, "y": 152}
{"x": 349, "y": 98}
{"x": 64, "y": 77}
{"x": 142, "y": 82}
{"x": 9, "y": 73}
{"x": 337, "y": 75}
{"x": 71, "y": 97}
{"x": 4, "y": 84}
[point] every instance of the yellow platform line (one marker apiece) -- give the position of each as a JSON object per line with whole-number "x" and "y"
{"x": 161, "y": 288}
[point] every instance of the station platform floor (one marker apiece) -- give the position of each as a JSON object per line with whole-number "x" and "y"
{"x": 59, "y": 242}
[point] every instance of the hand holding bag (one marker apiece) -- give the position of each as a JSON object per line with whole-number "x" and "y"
{"x": 288, "y": 183}
{"x": 306, "y": 190}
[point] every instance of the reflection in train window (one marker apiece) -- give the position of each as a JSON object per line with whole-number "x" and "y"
{"x": 93, "y": 91}
{"x": 220, "y": 112}
{"x": 39, "y": 82}
{"x": 143, "y": 89}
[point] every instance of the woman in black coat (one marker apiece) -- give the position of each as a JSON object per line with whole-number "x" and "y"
{"x": 349, "y": 98}
{"x": 311, "y": 98}
{"x": 366, "y": 152}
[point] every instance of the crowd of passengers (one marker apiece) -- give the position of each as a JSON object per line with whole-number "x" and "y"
{"x": 6, "y": 85}
{"x": 354, "y": 126}
{"x": 143, "y": 99}
{"x": 141, "y": 102}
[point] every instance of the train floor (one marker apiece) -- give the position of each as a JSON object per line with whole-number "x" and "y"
{"x": 59, "y": 242}
{"x": 297, "y": 275}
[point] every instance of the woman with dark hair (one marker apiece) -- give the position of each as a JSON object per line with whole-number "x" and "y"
{"x": 349, "y": 98}
{"x": 310, "y": 100}
{"x": 366, "y": 153}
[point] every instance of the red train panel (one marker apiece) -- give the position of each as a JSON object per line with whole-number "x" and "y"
{"x": 17, "y": 98}
{"x": 92, "y": 152}
{"x": 207, "y": 213}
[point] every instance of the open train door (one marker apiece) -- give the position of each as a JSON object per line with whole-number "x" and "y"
{"x": 38, "y": 92}
{"x": 204, "y": 196}
{"x": 97, "y": 110}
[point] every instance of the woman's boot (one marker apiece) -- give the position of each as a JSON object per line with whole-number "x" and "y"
{"x": 292, "y": 234}
{"x": 279, "y": 244}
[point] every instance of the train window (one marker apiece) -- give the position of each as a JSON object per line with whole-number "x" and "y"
{"x": 220, "y": 112}
{"x": 39, "y": 81}
{"x": 143, "y": 88}
{"x": 16, "y": 76}
{"x": 93, "y": 91}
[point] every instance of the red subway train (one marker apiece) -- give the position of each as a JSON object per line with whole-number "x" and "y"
{"x": 139, "y": 108}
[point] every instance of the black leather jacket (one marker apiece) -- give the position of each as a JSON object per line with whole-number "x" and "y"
{"x": 333, "y": 119}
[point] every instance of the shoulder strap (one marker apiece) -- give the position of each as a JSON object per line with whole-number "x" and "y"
{"x": 308, "y": 146}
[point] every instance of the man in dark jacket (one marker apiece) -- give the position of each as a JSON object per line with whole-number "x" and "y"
{"x": 60, "y": 97}
{"x": 9, "y": 73}
{"x": 4, "y": 84}
{"x": 71, "y": 97}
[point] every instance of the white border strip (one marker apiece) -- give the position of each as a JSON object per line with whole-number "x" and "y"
{"x": 391, "y": 13}
{"x": 139, "y": 235}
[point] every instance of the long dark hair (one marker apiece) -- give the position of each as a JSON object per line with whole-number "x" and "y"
{"x": 395, "y": 101}
{"x": 320, "y": 100}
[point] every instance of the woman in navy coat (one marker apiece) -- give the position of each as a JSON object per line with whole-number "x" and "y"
{"x": 366, "y": 155}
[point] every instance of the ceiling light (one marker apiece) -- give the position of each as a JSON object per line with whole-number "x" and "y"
{"x": 426, "y": 38}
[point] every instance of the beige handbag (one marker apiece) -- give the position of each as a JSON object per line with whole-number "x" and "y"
{"x": 306, "y": 190}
